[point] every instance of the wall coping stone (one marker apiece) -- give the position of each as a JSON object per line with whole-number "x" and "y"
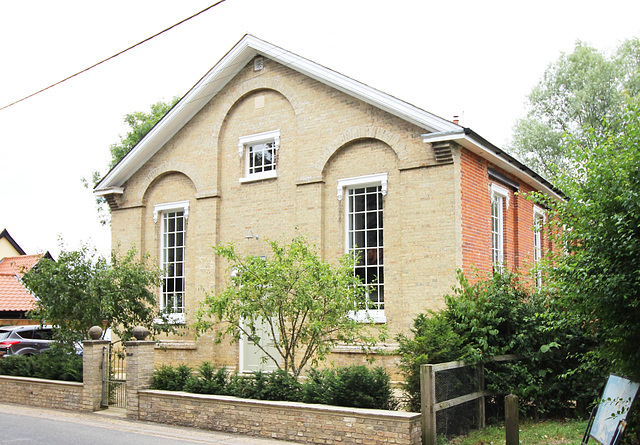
{"x": 40, "y": 381}
{"x": 295, "y": 406}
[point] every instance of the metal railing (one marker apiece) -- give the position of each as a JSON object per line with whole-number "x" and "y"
{"x": 114, "y": 379}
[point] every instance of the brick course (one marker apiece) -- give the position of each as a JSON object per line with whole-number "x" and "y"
{"x": 41, "y": 393}
{"x": 281, "y": 420}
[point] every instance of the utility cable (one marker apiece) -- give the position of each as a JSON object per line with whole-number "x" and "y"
{"x": 114, "y": 56}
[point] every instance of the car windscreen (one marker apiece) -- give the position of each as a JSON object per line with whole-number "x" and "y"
{"x": 4, "y": 334}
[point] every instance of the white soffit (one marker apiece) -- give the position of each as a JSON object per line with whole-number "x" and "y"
{"x": 495, "y": 156}
{"x": 225, "y": 70}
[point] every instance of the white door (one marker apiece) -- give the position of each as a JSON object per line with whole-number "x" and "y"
{"x": 252, "y": 358}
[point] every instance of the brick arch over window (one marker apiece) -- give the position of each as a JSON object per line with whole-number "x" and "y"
{"x": 358, "y": 133}
{"x": 158, "y": 173}
{"x": 255, "y": 85}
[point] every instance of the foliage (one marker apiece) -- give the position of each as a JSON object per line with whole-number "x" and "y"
{"x": 578, "y": 92}
{"x": 498, "y": 316}
{"x": 599, "y": 223}
{"x": 53, "y": 364}
{"x": 171, "y": 379}
{"x": 210, "y": 380}
{"x": 140, "y": 123}
{"x": 276, "y": 385}
{"x": 433, "y": 340}
{"x": 82, "y": 290}
{"x": 304, "y": 303}
{"x": 354, "y": 386}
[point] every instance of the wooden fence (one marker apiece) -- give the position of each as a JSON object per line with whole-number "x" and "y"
{"x": 430, "y": 406}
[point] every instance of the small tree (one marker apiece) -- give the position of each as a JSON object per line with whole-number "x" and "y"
{"x": 306, "y": 304}
{"x": 82, "y": 289}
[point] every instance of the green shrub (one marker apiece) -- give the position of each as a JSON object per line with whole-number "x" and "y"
{"x": 557, "y": 370}
{"x": 210, "y": 380}
{"x": 170, "y": 378}
{"x": 53, "y": 364}
{"x": 241, "y": 385}
{"x": 276, "y": 385}
{"x": 433, "y": 341}
{"x": 353, "y": 386}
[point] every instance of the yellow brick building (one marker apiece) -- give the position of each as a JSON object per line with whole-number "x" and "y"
{"x": 268, "y": 142}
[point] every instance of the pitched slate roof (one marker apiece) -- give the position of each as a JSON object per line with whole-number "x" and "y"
{"x": 13, "y": 295}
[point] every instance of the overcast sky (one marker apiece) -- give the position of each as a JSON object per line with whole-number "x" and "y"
{"x": 476, "y": 59}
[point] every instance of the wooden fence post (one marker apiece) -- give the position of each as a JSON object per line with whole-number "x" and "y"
{"x": 511, "y": 423}
{"x": 427, "y": 402}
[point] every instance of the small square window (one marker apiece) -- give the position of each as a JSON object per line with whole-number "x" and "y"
{"x": 260, "y": 155}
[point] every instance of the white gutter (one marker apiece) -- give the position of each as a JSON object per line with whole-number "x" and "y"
{"x": 494, "y": 155}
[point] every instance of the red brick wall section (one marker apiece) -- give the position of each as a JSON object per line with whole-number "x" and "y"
{"x": 476, "y": 220}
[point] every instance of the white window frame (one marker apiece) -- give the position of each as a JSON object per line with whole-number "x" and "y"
{"x": 499, "y": 200}
{"x": 538, "y": 223}
{"x": 162, "y": 210}
{"x": 376, "y": 180}
{"x": 244, "y": 152}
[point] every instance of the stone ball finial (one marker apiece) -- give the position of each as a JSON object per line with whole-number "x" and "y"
{"x": 95, "y": 332}
{"x": 140, "y": 333}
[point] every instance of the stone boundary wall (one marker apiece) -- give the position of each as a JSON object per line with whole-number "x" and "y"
{"x": 41, "y": 393}
{"x": 297, "y": 422}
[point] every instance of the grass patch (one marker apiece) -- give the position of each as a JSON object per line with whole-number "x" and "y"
{"x": 550, "y": 432}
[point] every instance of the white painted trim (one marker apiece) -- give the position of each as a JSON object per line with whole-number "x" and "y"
{"x": 247, "y": 141}
{"x": 110, "y": 191}
{"x": 179, "y": 205}
{"x": 226, "y": 69}
{"x": 259, "y": 176}
{"x": 500, "y": 191}
{"x": 267, "y": 136}
{"x": 369, "y": 316}
{"x": 496, "y": 159}
{"x": 376, "y": 179}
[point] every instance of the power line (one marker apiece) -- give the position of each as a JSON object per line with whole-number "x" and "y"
{"x": 114, "y": 56}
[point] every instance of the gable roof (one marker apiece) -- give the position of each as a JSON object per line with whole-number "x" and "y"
{"x": 5, "y": 234}
{"x": 13, "y": 295}
{"x": 224, "y": 71}
{"x": 243, "y": 52}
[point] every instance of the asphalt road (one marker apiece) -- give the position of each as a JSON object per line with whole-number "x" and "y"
{"x": 21, "y": 425}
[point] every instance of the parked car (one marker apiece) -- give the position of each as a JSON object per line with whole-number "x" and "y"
{"x": 25, "y": 340}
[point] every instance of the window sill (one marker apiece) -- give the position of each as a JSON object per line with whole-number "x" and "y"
{"x": 375, "y": 316}
{"x": 171, "y": 319}
{"x": 259, "y": 177}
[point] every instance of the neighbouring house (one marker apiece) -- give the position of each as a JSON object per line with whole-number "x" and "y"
{"x": 15, "y": 299}
{"x": 8, "y": 246}
{"x": 267, "y": 142}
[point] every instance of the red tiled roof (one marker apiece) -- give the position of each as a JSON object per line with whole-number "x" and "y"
{"x": 13, "y": 295}
{"x": 15, "y": 264}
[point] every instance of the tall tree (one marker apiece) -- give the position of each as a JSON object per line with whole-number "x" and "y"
{"x": 140, "y": 123}
{"x": 304, "y": 304}
{"x": 599, "y": 223}
{"x": 576, "y": 95}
